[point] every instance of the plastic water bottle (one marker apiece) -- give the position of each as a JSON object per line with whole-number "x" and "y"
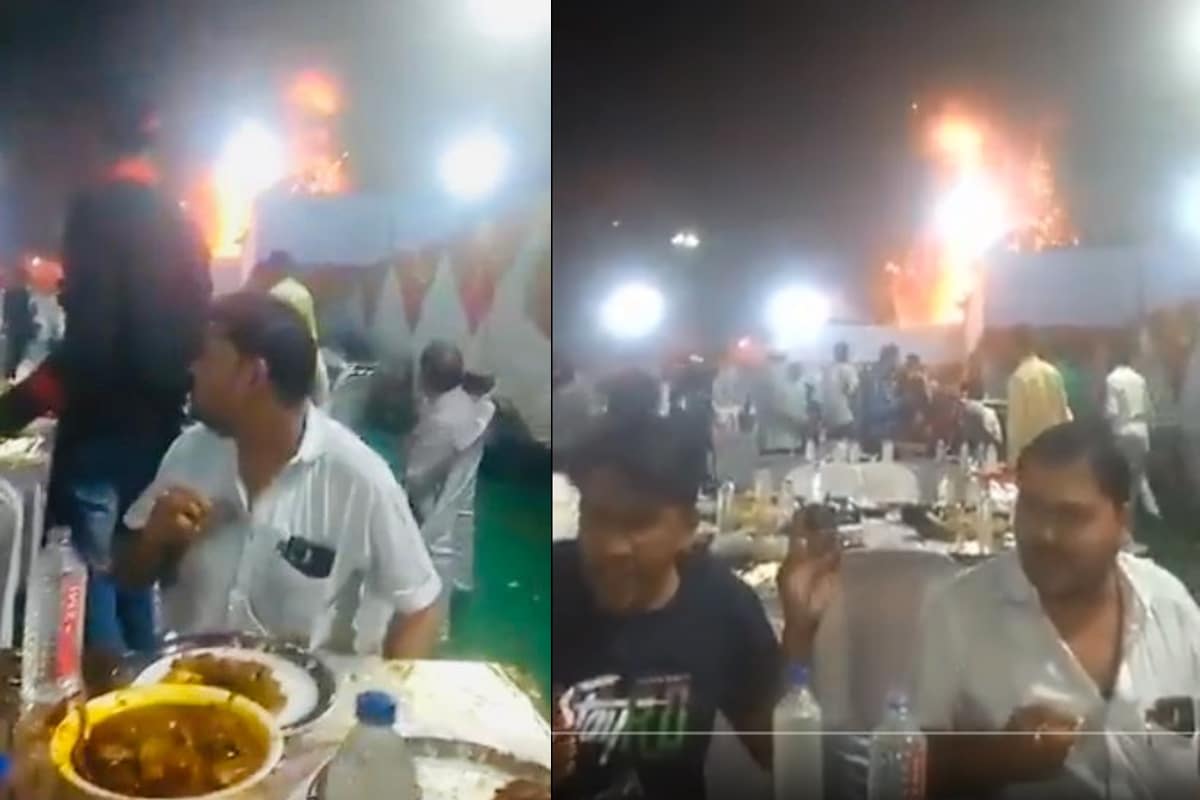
{"x": 52, "y": 648}
{"x": 898, "y": 755}
{"x": 798, "y": 752}
{"x": 374, "y": 761}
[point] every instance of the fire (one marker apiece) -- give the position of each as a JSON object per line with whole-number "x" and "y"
{"x": 990, "y": 193}
{"x": 309, "y": 160}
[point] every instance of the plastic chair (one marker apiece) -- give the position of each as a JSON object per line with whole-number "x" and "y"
{"x": 891, "y": 484}
{"x": 867, "y": 645}
{"x": 841, "y": 480}
{"x": 12, "y": 534}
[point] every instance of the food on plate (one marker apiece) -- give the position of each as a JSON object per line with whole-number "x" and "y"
{"x": 523, "y": 790}
{"x": 170, "y": 750}
{"x": 251, "y": 679}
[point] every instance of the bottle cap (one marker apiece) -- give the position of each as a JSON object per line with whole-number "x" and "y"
{"x": 5, "y": 769}
{"x": 376, "y": 708}
{"x": 798, "y": 675}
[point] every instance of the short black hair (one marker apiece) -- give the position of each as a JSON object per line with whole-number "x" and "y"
{"x": 262, "y": 326}
{"x": 660, "y": 457}
{"x": 1090, "y": 440}
{"x": 441, "y": 366}
{"x": 633, "y": 394}
{"x": 131, "y": 120}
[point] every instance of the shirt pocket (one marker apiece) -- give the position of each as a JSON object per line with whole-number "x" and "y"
{"x": 284, "y": 601}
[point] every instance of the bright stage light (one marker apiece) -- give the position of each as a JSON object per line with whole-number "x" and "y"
{"x": 633, "y": 311}
{"x": 796, "y": 314}
{"x": 473, "y": 166}
{"x": 970, "y": 218}
{"x": 686, "y": 240}
{"x": 252, "y": 162}
{"x": 511, "y": 19}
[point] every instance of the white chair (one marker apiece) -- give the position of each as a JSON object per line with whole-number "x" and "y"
{"x": 890, "y": 483}
{"x": 12, "y": 534}
{"x": 841, "y": 480}
{"x": 867, "y": 645}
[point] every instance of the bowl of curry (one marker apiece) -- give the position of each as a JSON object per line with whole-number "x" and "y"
{"x": 166, "y": 741}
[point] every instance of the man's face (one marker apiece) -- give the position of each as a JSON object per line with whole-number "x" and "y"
{"x": 222, "y": 379}
{"x": 1068, "y": 533}
{"x": 629, "y": 544}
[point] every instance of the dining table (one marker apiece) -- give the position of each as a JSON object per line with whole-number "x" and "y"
{"x": 471, "y": 707}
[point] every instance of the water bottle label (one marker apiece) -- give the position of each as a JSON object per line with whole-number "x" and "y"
{"x": 68, "y": 663}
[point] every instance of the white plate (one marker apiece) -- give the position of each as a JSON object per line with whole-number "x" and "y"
{"x": 298, "y": 686}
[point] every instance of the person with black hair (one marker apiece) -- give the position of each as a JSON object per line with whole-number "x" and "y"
{"x": 270, "y": 516}
{"x": 633, "y": 394}
{"x": 452, "y": 424}
{"x": 20, "y": 326}
{"x": 135, "y": 292}
{"x": 1037, "y": 396}
{"x": 651, "y": 638}
{"x": 1050, "y": 656}
{"x": 1127, "y": 408}
{"x": 277, "y": 275}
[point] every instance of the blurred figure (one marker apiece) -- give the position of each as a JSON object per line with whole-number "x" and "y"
{"x": 981, "y": 423}
{"x": 277, "y": 275}
{"x": 880, "y": 399}
{"x": 20, "y": 327}
{"x": 1127, "y": 408}
{"x": 841, "y": 395}
{"x": 136, "y": 290}
{"x": 1037, "y": 399}
{"x": 571, "y": 405}
{"x": 780, "y": 418}
{"x": 915, "y": 397}
{"x": 633, "y": 395}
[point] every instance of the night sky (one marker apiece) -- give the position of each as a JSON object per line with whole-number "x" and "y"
{"x": 414, "y": 73}
{"x": 784, "y": 133}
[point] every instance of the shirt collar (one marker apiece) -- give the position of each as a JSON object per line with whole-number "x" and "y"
{"x": 1019, "y": 591}
{"x": 313, "y": 440}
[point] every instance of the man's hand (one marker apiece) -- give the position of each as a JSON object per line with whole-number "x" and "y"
{"x": 563, "y": 743}
{"x": 1036, "y": 741}
{"x": 180, "y": 515}
{"x": 809, "y": 578}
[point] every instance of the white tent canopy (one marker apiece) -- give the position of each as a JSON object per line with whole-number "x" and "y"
{"x": 1088, "y": 287}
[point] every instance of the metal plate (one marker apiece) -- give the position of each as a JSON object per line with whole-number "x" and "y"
{"x": 317, "y": 670}
{"x": 444, "y": 770}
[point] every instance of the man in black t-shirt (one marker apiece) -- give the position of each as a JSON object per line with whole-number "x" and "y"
{"x": 651, "y": 640}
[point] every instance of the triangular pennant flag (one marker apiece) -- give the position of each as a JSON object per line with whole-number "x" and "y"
{"x": 372, "y": 280}
{"x": 479, "y": 259}
{"x": 414, "y": 274}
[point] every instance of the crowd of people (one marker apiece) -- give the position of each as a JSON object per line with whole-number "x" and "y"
{"x": 1034, "y": 672}
{"x": 205, "y": 483}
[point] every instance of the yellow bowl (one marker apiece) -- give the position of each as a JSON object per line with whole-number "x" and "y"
{"x": 101, "y": 708}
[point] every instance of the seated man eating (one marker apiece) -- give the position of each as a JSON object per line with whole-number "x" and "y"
{"x": 1044, "y": 662}
{"x": 651, "y": 639}
{"x": 270, "y": 516}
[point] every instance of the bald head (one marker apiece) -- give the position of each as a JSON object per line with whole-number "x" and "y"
{"x": 441, "y": 368}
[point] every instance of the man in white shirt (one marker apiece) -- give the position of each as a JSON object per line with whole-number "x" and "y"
{"x": 841, "y": 394}
{"x": 272, "y": 517}
{"x": 1127, "y": 408}
{"x": 1041, "y": 664}
{"x": 437, "y": 475}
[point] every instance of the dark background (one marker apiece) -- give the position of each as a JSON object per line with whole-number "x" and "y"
{"x": 414, "y": 73}
{"x": 784, "y": 132}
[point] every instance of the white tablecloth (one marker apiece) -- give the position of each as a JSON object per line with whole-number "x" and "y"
{"x": 460, "y": 700}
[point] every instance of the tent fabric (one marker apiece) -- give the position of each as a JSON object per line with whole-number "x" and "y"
{"x": 935, "y": 344}
{"x": 1088, "y": 287}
